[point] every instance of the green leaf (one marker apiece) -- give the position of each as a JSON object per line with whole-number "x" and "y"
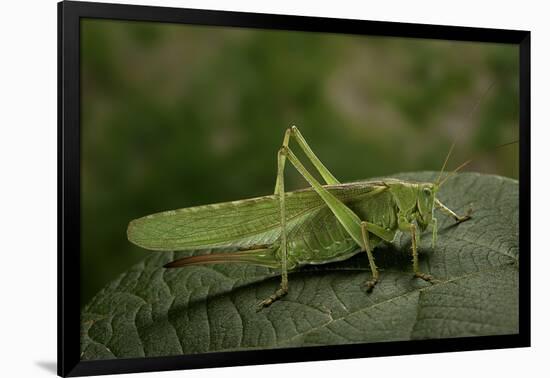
{"x": 152, "y": 311}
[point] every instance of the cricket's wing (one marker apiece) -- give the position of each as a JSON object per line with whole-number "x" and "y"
{"x": 244, "y": 223}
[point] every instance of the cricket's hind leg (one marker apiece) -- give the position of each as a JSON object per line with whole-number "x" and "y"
{"x": 280, "y": 194}
{"x": 278, "y": 294}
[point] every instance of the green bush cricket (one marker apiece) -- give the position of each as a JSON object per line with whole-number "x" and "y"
{"x": 317, "y": 225}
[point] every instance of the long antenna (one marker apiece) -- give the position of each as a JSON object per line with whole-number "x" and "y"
{"x": 475, "y": 157}
{"x": 474, "y": 108}
{"x": 455, "y": 171}
{"x": 445, "y": 162}
{"x": 481, "y": 98}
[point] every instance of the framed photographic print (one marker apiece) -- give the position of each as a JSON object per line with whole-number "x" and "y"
{"x": 240, "y": 188}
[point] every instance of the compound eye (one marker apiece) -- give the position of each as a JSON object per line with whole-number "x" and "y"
{"x": 427, "y": 191}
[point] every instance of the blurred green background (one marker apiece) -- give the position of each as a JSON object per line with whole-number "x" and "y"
{"x": 175, "y": 115}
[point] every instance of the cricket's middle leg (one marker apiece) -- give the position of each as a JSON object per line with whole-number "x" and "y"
{"x": 371, "y": 283}
{"x": 414, "y": 247}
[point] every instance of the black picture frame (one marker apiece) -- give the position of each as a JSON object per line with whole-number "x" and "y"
{"x": 69, "y": 16}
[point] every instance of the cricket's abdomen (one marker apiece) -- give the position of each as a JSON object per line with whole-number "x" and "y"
{"x": 322, "y": 239}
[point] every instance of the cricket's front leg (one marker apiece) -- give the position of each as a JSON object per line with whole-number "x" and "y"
{"x": 449, "y": 212}
{"x": 414, "y": 247}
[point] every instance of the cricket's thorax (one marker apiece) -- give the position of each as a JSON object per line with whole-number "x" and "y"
{"x": 323, "y": 239}
{"x": 415, "y": 202}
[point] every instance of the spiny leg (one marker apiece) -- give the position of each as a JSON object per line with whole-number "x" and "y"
{"x": 325, "y": 173}
{"x": 372, "y": 282}
{"x": 414, "y": 247}
{"x": 280, "y": 192}
{"x": 281, "y": 160}
{"x": 449, "y": 212}
{"x": 295, "y": 133}
{"x": 434, "y": 231}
